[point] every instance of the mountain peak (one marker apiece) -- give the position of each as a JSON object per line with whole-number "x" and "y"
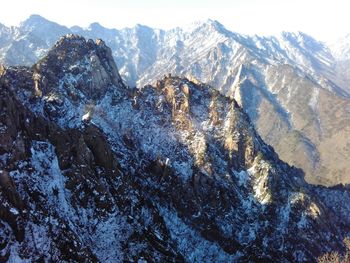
{"x": 140, "y": 27}
{"x": 97, "y": 27}
{"x": 39, "y": 26}
{"x": 74, "y": 56}
{"x": 295, "y": 35}
{"x": 303, "y": 40}
{"x": 341, "y": 48}
{"x": 210, "y": 23}
{"x": 214, "y": 22}
{"x": 36, "y": 17}
{"x": 34, "y": 20}
{"x": 208, "y": 26}
{"x": 298, "y": 36}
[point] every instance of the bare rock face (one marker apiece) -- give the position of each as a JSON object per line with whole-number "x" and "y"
{"x": 94, "y": 172}
{"x": 73, "y": 57}
{"x": 72, "y": 169}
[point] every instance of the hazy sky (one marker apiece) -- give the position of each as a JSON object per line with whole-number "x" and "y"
{"x": 323, "y": 19}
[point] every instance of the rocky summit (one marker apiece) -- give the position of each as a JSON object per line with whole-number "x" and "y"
{"x": 94, "y": 171}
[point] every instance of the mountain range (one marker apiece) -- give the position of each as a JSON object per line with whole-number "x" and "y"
{"x": 92, "y": 170}
{"x": 294, "y": 88}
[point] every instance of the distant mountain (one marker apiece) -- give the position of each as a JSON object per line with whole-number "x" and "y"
{"x": 290, "y": 85}
{"x": 94, "y": 171}
{"x": 341, "y": 51}
{"x": 23, "y": 45}
{"x": 341, "y": 48}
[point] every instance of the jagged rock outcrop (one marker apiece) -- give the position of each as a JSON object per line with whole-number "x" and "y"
{"x": 64, "y": 197}
{"x": 167, "y": 173}
{"x": 69, "y": 59}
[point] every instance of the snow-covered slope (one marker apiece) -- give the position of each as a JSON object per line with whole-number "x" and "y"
{"x": 341, "y": 51}
{"x": 341, "y": 48}
{"x": 94, "y": 171}
{"x": 30, "y": 41}
{"x": 290, "y": 85}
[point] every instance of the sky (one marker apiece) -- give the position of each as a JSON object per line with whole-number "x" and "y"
{"x": 325, "y": 20}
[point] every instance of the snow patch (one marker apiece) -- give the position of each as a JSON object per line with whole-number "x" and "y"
{"x": 314, "y": 99}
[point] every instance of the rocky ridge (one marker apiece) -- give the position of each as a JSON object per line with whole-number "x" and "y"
{"x": 92, "y": 170}
{"x": 291, "y": 85}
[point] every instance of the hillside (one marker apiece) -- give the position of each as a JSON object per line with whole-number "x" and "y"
{"x": 94, "y": 171}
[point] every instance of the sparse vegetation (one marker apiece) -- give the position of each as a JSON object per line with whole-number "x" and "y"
{"x": 2, "y": 70}
{"x": 336, "y": 257}
{"x": 37, "y": 91}
{"x": 230, "y": 144}
{"x": 213, "y": 114}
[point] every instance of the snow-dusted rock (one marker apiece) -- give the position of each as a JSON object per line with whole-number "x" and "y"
{"x": 274, "y": 78}
{"x": 168, "y": 173}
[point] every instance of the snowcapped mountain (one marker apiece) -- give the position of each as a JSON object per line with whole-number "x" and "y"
{"x": 94, "y": 171}
{"x": 290, "y": 85}
{"x": 341, "y": 51}
{"x": 341, "y": 48}
{"x": 23, "y": 45}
